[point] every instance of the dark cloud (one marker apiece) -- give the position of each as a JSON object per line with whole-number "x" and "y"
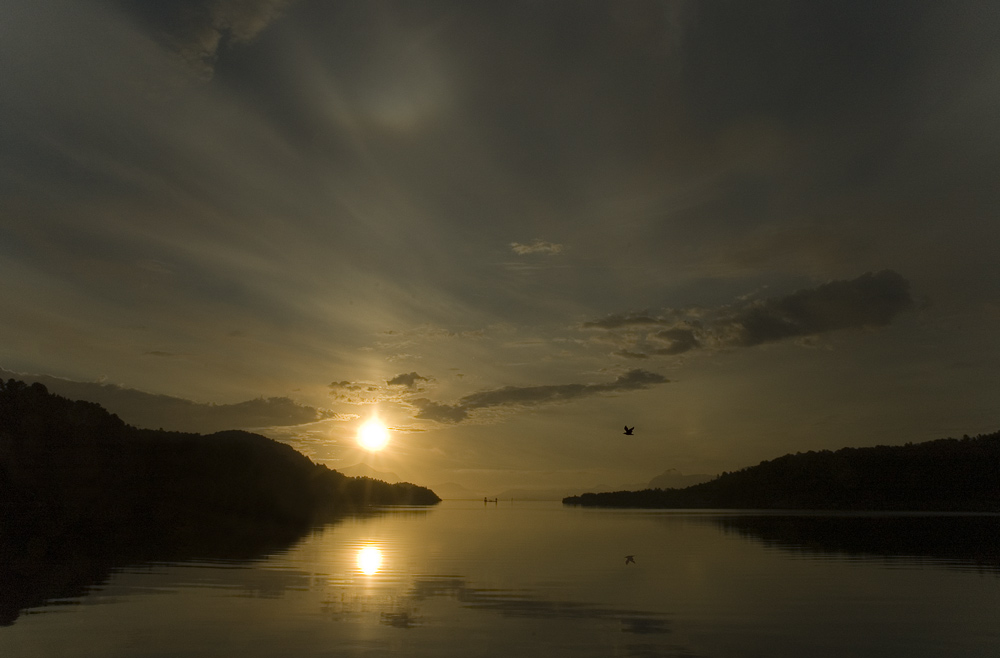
{"x": 522, "y": 396}
{"x": 681, "y": 340}
{"x": 348, "y": 385}
{"x": 198, "y": 29}
{"x": 397, "y": 388}
{"x": 536, "y": 247}
{"x": 617, "y": 321}
{"x": 628, "y": 354}
{"x": 442, "y": 413}
{"x": 871, "y": 300}
{"x": 358, "y": 392}
{"x": 177, "y": 414}
{"x": 408, "y": 380}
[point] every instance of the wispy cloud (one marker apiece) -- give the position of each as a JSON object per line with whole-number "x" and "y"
{"x": 619, "y": 320}
{"x": 353, "y": 392}
{"x": 628, "y": 354}
{"x": 394, "y": 389}
{"x": 160, "y": 353}
{"x": 537, "y": 247}
{"x": 523, "y": 396}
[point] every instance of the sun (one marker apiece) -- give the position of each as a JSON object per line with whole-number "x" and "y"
{"x": 369, "y": 560}
{"x": 373, "y": 435}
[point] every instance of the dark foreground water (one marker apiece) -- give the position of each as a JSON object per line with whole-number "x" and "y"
{"x": 537, "y": 579}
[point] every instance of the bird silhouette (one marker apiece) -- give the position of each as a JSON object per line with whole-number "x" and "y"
{"x": 628, "y": 430}
{"x": 629, "y": 559}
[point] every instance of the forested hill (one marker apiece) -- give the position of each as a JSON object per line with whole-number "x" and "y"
{"x": 943, "y": 475}
{"x": 73, "y": 466}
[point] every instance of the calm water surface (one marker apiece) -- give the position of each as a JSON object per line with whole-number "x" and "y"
{"x": 537, "y": 579}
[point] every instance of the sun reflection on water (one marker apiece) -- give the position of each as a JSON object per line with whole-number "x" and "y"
{"x": 369, "y": 560}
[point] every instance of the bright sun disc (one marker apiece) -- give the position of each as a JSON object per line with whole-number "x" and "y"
{"x": 373, "y": 435}
{"x": 369, "y": 560}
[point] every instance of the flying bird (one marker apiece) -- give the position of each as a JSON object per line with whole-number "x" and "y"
{"x": 629, "y": 559}
{"x": 628, "y": 430}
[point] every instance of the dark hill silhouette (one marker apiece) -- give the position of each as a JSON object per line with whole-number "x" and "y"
{"x": 61, "y": 459}
{"x": 82, "y": 492}
{"x": 942, "y": 475}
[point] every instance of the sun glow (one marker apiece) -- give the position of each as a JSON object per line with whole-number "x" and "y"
{"x": 373, "y": 435}
{"x": 369, "y": 560}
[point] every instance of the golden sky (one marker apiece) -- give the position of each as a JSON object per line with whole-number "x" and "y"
{"x": 508, "y": 229}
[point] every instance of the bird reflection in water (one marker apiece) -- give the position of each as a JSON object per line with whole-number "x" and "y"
{"x": 369, "y": 560}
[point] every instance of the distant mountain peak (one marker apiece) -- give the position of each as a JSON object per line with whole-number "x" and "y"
{"x": 364, "y": 470}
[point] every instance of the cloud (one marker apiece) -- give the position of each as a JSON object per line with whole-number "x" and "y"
{"x": 357, "y": 392}
{"x": 178, "y": 414}
{"x": 442, "y": 413}
{"x": 680, "y": 340}
{"x": 619, "y": 320}
{"x": 346, "y": 385}
{"x": 522, "y": 396}
{"x": 537, "y": 247}
{"x": 198, "y": 29}
{"x": 871, "y": 300}
{"x": 397, "y": 339}
{"x": 396, "y": 389}
{"x": 408, "y": 380}
{"x": 628, "y": 354}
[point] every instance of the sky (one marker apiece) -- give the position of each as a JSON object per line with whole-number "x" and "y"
{"x": 508, "y": 229}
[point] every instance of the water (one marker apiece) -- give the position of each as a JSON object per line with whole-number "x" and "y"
{"x": 537, "y": 579}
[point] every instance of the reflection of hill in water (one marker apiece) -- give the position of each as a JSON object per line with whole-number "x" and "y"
{"x": 966, "y": 540}
{"x": 82, "y": 493}
{"x": 39, "y": 568}
{"x": 524, "y": 603}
